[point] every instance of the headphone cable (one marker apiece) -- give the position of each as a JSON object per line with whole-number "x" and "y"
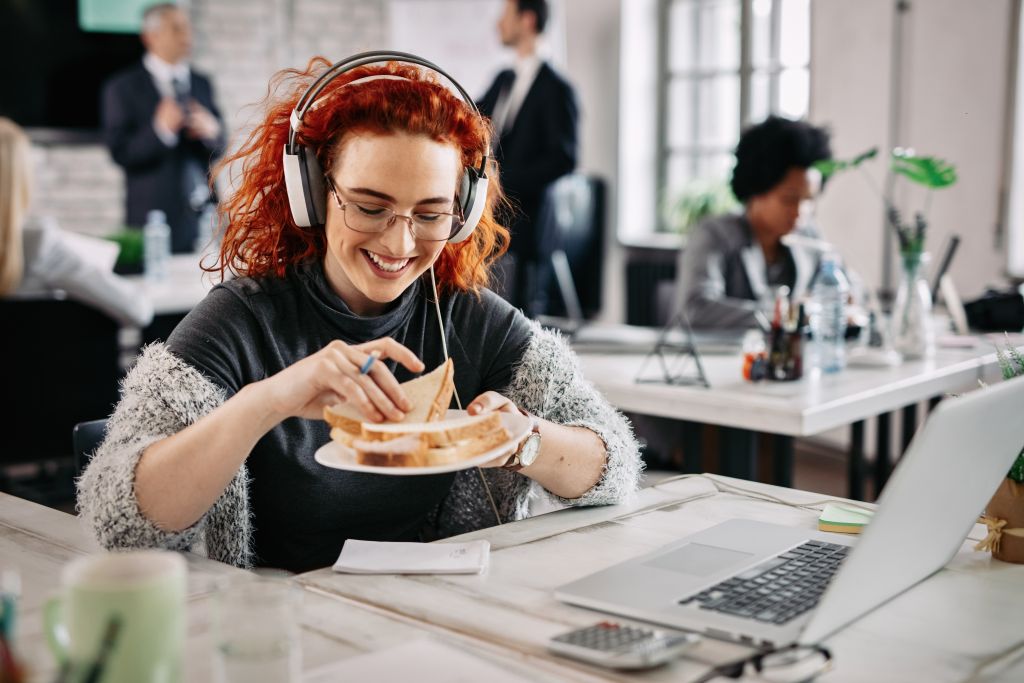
{"x": 458, "y": 401}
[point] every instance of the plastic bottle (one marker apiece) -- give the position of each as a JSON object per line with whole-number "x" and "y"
{"x": 156, "y": 249}
{"x": 828, "y": 318}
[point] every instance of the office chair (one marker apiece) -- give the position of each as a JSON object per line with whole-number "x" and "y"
{"x": 85, "y": 439}
{"x": 577, "y": 205}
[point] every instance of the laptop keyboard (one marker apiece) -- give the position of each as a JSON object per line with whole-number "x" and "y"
{"x": 779, "y": 589}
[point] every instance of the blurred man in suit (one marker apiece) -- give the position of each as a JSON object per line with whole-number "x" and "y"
{"x": 163, "y": 128}
{"x": 534, "y": 115}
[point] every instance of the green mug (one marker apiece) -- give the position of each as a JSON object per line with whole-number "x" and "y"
{"x": 143, "y": 592}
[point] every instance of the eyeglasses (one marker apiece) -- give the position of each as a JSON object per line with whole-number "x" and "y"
{"x": 430, "y": 226}
{"x": 794, "y": 664}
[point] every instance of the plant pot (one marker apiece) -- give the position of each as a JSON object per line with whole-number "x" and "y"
{"x": 1008, "y": 504}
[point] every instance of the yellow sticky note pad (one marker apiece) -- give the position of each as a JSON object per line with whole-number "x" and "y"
{"x": 843, "y": 520}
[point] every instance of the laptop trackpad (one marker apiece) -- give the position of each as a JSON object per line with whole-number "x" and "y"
{"x": 698, "y": 559}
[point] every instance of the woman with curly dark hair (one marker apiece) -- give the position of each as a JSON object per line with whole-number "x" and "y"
{"x": 731, "y": 264}
{"x": 214, "y": 437}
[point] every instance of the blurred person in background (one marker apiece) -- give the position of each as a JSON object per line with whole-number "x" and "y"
{"x": 162, "y": 127}
{"x": 38, "y": 259}
{"x": 732, "y": 264}
{"x": 534, "y": 116}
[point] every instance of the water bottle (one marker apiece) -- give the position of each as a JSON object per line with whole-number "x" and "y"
{"x": 828, "y": 321}
{"x": 156, "y": 248}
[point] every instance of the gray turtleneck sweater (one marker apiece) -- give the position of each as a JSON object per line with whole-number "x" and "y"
{"x": 285, "y": 510}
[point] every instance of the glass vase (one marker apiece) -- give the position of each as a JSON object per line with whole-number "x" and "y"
{"x": 913, "y": 333}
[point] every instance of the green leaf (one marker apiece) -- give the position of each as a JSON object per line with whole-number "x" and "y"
{"x": 1017, "y": 469}
{"x": 931, "y": 172}
{"x": 829, "y": 167}
{"x": 698, "y": 200}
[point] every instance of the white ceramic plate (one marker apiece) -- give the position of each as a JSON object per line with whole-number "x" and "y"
{"x": 341, "y": 457}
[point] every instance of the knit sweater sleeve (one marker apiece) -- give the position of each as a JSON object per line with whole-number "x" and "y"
{"x": 160, "y": 396}
{"x": 549, "y": 383}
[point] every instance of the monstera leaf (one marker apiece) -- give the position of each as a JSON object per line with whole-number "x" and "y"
{"x": 931, "y": 172}
{"x": 829, "y": 167}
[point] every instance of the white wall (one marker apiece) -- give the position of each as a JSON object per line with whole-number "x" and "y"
{"x": 954, "y": 98}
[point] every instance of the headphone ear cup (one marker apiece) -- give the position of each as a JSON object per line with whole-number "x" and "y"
{"x": 472, "y": 200}
{"x": 304, "y": 183}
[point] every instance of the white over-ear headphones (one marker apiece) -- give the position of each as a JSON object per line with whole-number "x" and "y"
{"x": 304, "y": 179}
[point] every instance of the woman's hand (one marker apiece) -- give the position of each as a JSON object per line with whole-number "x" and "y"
{"x": 332, "y": 375}
{"x": 490, "y": 402}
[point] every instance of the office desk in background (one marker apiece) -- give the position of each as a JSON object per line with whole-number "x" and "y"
{"x": 806, "y": 407}
{"x": 186, "y": 285}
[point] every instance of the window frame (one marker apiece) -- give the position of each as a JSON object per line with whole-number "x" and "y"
{"x": 746, "y": 73}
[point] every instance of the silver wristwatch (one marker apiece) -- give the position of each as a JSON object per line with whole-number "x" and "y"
{"x": 529, "y": 449}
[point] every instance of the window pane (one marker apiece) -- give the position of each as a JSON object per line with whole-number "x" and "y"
{"x": 679, "y": 114}
{"x": 794, "y": 33}
{"x": 761, "y": 33}
{"x": 715, "y": 167}
{"x": 794, "y": 91}
{"x": 760, "y": 96}
{"x": 718, "y": 106}
{"x": 682, "y": 35}
{"x": 720, "y": 35}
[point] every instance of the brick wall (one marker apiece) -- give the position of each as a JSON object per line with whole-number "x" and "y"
{"x": 240, "y": 44}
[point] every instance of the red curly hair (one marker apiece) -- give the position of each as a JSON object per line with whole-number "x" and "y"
{"x": 260, "y": 236}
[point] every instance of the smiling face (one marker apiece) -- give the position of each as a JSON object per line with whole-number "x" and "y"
{"x": 405, "y": 173}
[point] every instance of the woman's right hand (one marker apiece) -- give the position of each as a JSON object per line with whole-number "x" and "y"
{"x": 331, "y": 375}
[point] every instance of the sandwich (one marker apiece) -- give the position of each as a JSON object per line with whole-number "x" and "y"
{"x": 423, "y": 438}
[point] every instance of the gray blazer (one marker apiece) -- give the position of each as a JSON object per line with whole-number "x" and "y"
{"x": 722, "y": 279}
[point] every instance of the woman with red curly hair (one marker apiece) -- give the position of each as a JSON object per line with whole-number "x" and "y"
{"x": 215, "y": 433}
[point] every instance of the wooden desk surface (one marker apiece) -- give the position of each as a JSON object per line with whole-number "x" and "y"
{"x": 38, "y": 541}
{"x": 937, "y": 631}
{"x": 802, "y": 408}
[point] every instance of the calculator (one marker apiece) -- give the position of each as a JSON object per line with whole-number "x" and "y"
{"x": 620, "y": 646}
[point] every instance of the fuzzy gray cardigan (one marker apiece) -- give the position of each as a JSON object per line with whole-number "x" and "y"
{"x": 162, "y": 395}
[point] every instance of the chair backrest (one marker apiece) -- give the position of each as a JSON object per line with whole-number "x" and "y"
{"x": 577, "y": 203}
{"x": 60, "y": 366}
{"x": 85, "y": 438}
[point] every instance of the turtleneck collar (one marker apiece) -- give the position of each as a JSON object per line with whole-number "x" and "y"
{"x": 352, "y": 327}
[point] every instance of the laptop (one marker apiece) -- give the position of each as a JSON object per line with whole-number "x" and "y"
{"x": 769, "y": 585}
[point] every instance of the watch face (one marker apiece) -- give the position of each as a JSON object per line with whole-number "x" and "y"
{"x": 530, "y": 450}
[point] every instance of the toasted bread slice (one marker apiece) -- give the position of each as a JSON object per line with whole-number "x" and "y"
{"x": 405, "y": 452}
{"x": 467, "y": 448}
{"x": 442, "y": 433}
{"x": 411, "y": 451}
{"x": 430, "y": 395}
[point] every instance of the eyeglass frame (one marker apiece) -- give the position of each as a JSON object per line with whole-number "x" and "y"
{"x": 737, "y": 669}
{"x": 457, "y": 218}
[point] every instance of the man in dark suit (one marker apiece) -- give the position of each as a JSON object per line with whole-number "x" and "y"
{"x": 534, "y": 114}
{"x": 163, "y": 128}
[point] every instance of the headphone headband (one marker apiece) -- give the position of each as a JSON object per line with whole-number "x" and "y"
{"x": 312, "y": 93}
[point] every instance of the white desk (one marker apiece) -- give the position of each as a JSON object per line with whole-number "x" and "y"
{"x": 937, "y": 631}
{"x": 802, "y": 408}
{"x": 186, "y": 285}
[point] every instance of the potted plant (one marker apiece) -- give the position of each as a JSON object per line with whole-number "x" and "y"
{"x": 1004, "y": 514}
{"x": 912, "y": 333}
{"x": 698, "y": 200}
